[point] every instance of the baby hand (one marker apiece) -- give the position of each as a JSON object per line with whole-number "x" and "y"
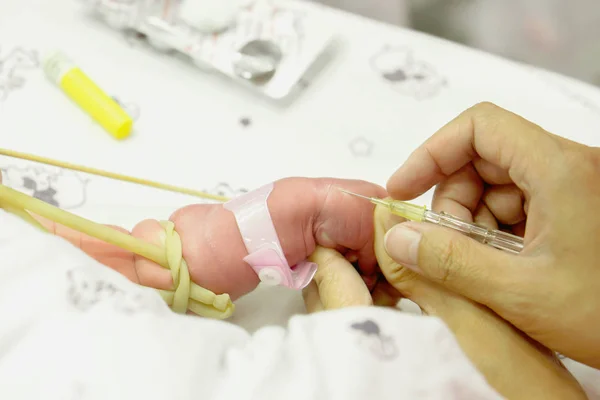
{"x": 306, "y": 213}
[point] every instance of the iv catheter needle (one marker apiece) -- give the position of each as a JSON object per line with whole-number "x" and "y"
{"x": 492, "y": 237}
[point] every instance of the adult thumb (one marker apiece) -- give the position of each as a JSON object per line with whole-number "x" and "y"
{"x": 453, "y": 260}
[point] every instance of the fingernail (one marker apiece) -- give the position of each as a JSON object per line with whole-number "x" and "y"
{"x": 402, "y": 244}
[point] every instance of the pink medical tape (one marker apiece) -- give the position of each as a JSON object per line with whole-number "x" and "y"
{"x": 265, "y": 254}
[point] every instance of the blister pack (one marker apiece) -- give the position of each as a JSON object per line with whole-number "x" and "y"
{"x": 265, "y": 45}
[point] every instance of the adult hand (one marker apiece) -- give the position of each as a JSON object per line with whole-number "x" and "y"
{"x": 337, "y": 284}
{"x": 495, "y": 168}
{"x": 492, "y": 344}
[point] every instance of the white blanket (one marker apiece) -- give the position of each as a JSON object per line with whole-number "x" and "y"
{"x": 74, "y": 329}
{"x": 385, "y": 91}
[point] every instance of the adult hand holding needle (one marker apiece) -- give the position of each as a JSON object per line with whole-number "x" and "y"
{"x": 498, "y": 169}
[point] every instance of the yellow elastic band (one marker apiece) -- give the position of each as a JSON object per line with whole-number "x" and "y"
{"x": 187, "y": 296}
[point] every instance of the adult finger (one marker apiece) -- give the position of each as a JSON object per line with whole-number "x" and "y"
{"x": 385, "y": 295}
{"x": 404, "y": 282}
{"x": 506, "y": 203}
{"x": 312, "y": 301}
{"x": 338, "y": 284}
{"x": 519, "y": 229}
{"x": 402, "y": 279}
{"x": 461, "y": 264}
{"x": 490, "y": 173}
{"x": 483, "y": 216}
{"x": 484, "y": 131}
{"x": 459, "y": 194}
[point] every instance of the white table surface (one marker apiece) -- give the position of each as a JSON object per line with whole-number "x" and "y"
{"x": 348, "y": 122}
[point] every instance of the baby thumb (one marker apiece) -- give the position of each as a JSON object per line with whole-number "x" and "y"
{"x": 453, "y": 260}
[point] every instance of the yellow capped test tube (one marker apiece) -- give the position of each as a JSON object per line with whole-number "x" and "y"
{"x": 85, "y": 93}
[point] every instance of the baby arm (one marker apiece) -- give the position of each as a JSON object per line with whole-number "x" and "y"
{"x": 305, "y": 213}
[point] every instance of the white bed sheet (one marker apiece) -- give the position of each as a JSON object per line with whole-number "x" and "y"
{"x": 199, "y": 130}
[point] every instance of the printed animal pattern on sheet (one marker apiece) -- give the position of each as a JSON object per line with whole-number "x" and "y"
{"x": 64, "y": 189}
{"x": 224, "y": 189}
{"x": 371, "y": 336}
{"x": 85, "y": 291}
{"x": 245, "y": 122}
{"x": 260, "y": 19}
{"x": 13, "y": 66}
{"x": 267, "y": 19}
{"x": 406, "y": 74}
{"x": 361, "y": 147}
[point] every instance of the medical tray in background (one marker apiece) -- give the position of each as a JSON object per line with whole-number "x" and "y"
{"x": 300, "y": 36}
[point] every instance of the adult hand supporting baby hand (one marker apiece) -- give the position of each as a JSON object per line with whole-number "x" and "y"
{"x": 493, "y": 167}
{"x": 337, "y": 284}
{"x": 305, "y": 212}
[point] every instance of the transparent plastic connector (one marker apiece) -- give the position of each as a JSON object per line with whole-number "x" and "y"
{"x": 492, "y": 237}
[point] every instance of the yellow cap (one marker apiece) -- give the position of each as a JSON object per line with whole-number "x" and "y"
{"x": 104, "y": 109}
{"x": 83, "y": 91}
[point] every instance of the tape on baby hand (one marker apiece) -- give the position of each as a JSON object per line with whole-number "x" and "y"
{"x": 265, "y": 254}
